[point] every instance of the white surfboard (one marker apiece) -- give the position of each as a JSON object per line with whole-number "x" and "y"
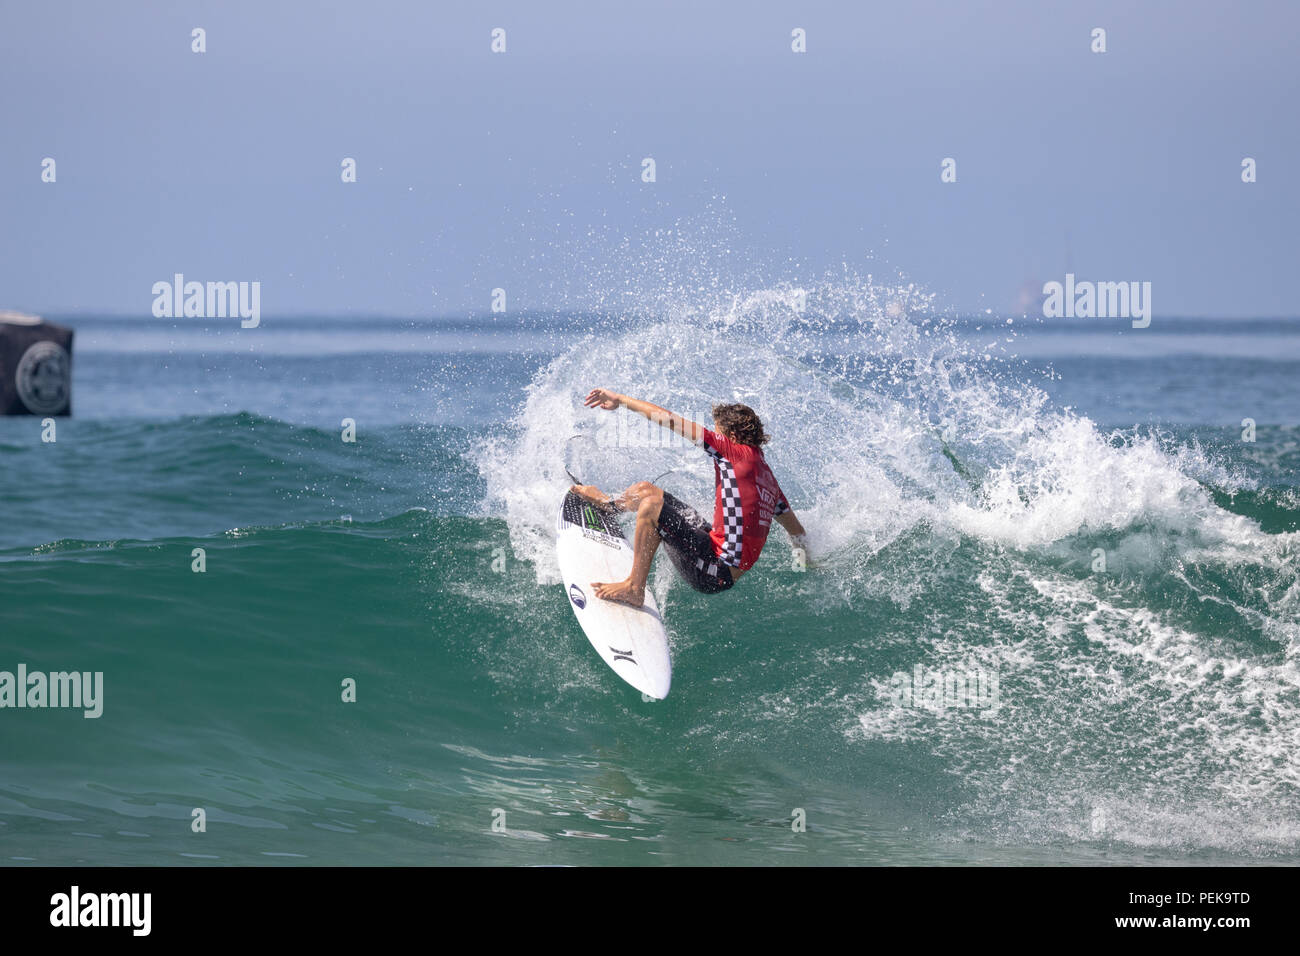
{"x": 632, "y": 641}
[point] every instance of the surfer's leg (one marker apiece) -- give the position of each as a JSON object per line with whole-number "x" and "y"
{"x": 632, "y": 498}
{"x": 629, "y": 500}
{"x": 648, "y": 500}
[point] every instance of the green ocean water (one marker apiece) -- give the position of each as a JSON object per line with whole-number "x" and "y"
{"x": 1145, "y": 712}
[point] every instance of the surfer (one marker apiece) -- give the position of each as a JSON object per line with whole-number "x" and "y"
{"x": 711, "y": 557}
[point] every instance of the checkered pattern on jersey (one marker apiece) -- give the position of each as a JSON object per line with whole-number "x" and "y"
{"x": 733, "y": 519}
{"x": 781, "y": 506}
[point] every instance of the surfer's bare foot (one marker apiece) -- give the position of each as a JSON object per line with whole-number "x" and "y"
{"x": 623, "y": 592}
{"x": 590, "y": 493}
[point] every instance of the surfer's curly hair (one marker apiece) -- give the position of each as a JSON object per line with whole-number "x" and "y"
{"x": 741, "y": 424}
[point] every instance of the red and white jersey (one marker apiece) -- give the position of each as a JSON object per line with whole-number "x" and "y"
{"x": 747, "y": 499}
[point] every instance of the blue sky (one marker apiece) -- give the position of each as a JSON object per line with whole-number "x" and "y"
{"x": 522, "y": 170}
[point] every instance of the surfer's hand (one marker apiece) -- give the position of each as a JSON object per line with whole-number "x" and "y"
{"x": 800, "y": 559}
{"x": 600, "y": 398}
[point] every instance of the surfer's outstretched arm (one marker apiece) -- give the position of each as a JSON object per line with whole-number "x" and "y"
{"x": 603, "y": 398}
{"x": 793, "y": 528}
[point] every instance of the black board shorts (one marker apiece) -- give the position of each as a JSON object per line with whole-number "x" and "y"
{"x": 685, "y": 536}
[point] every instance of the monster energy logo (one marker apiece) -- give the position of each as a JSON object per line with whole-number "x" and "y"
{"x": 593, "y": 520}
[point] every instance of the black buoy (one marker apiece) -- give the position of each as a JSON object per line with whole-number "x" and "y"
{"x": 35, "y": 366}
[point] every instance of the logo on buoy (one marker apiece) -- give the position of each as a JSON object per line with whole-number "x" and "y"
{"x": 43, "y": 378}
{"x": 576, "y": 596}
